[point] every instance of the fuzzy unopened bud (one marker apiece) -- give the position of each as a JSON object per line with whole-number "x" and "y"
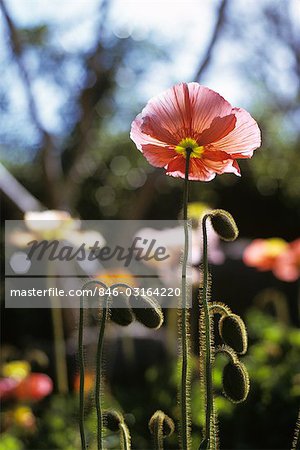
{"x": 120, "y": 311}
{"x": 233, "y": 332}
{"x": 224, "y": 225}
{"x": 235, "y": 382}
{"x": 161, "y": 422}
{"x": 147, "y": 311}
{"x": 112, "y": 420}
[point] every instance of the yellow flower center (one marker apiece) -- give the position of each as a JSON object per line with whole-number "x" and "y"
{"x": 189, "y": 144}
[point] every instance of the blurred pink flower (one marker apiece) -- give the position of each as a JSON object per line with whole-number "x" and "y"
{"x": 287, "y": 265}
{"x": 7, "y": 386}
{"x": 191, "y": 116}
{"x": 262, "y": 253}
{"x": 275, "y": 254}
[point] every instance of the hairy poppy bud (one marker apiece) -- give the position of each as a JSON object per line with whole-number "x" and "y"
{"x": 235, "y": 382}
{"x": 161, "y": 422}
{"x": 147, "y": 311}
{"x": 223, "y": 223}
{"x": 112, "y": 420}
{"x": 219, "y": 308}
{"x": 233, "y": 332}
{"x": 120, "y": 311}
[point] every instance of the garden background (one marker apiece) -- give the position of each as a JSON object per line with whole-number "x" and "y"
{"x": 74, "y": 74}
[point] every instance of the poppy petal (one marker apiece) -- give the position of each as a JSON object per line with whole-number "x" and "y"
{"x": 168, "y": 116}
{"x": 157, "y": 155}
{"x": 244, "y": 139}
{"x": 206, "y": 105}
{"x": 197, "y": 170}
{"x": 219, "y": 128}
{"x": 138, "y": 137}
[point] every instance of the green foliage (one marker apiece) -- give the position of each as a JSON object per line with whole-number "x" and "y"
{"x": 274, "y": 368}
{"x": 9, "y": 442}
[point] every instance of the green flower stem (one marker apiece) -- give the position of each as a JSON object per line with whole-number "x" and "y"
{"x": 81, "y": 365}
{"x": 61, "y": 370}
{"x": 125, "y": 436}
{"x": 59, "y": 347}
{"x": 99, "y": 376}
{"x": 81, "y": 376}
{"x": 296, "y": 440}
{"x": 158, "y": 435}
{"x": 185, "y": 341}
{"x": 207, "y": 362}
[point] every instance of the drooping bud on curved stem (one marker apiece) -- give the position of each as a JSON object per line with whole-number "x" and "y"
{"x": 236, "y": 383}
{"x": 233, "y": 333}
{"x": 219, "y": 308}
{"x": 160, "y": 426}
{"x": 147, "y": 310}
{"x": 114, "y": 421}
{"x": 120, "y": 311}
{"x": 224, "y": 224}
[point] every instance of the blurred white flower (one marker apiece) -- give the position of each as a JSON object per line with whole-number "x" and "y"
{"x": 52, "y": 224}
{"x": 172, "y": 239}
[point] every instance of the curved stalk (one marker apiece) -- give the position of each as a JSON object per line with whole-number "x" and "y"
{"x": 158, "y": 435}
{"x": 59, "y": 347}
{"x": 61, "y": 370}
{"x": 99, "y": 377}
{"x": 185, "y": 341}
{"x": 81, "y": 364}
{"x": 296, "y": 440}
{"x": 208, "y": 358}
{"x": 81, "y": 376}
{"x": 125, "y": 436}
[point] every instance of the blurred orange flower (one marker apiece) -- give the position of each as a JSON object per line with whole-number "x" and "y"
{"x": 116, "y": 276}
{"x": 89, "y": 380}
{"x": 23, "y": 417}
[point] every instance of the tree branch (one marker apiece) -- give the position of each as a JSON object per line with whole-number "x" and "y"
{"x": 214, "y": 38}
{"x": 17, "y": 193}
{"x": 87, "y": 101}
{"x": 50, "y": 156}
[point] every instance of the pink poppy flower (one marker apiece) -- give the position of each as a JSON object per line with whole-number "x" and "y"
{"x": 192, "y": 117}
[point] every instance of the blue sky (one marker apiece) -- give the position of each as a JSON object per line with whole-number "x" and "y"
{"x": 183, "y": 27}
